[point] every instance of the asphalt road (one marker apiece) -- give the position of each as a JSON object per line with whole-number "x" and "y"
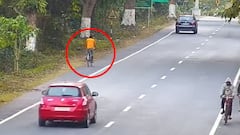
{"x": 171, "y": 87}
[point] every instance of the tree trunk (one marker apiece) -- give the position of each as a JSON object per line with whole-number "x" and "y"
{"x": 16, "y": 51}
{"x": 88, "y": 6}
{"x": 31, "y": 41}
{"x": 129, "y": 13}
{"x": 172, "y": 9}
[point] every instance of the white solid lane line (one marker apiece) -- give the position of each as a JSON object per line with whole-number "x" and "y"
{"x": 34, "y": 105}
{"x": 163, "y": 77}
{"x": 214, "y": 128}
{"x": 109, "y": 124}
{"x": 219, "y": 117}
{"x": 172, "y": 69}
{"x": 18, "y": 113}
{"x": 129, "y": 56}
{"x": 127, "y": 109}
{"x": 169, "y": 34}
{"x": 141, "y": 96}
{"x": 154, "y": 85}
{"x": 180, "y": 62}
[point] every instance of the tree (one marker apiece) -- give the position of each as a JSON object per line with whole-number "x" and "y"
{"x": 31, "y": 8}
{"x": 232, "y": 10}
{"x": 87, "y": 10}
{"x": 172, "y": 9}
{"x": 56, "y": 24}
{"x": 13, "y": 33}
{"x": 129, "y": 13}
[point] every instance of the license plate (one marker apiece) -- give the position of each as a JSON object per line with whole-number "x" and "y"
{"x": 61, "y": 109}
{"x": 185, "y": 23}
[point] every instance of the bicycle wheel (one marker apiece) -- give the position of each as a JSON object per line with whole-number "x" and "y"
{"x": 226, "y": 113}
{"x": 91, "y": 57}
{"x": 88, "y": 59}
{"x": 88, "y": 64}
{"x": 225, "y": 118}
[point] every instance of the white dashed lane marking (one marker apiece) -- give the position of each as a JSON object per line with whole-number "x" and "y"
{"x": 193, "y": 52}
{"x": 109, "y": 124}
{"x": 186, "y": 57}
{"x": 127, "y": 109}
{"x": 154, "y": 85}
{"x": 198, "y": 48}
{"x": 210, "y": 36}
{"x": 172, "y": 69}
{"x": 206, "y": 40}
{"x": 180, "y": 62}
{"x": 202, "y": 44}
{"x": 163, "y": 77}
{"x": 141, "y": 96}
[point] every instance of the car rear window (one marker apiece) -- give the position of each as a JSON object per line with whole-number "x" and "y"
{"x": 64, "y": 91}
{"x": 185, "y": 18}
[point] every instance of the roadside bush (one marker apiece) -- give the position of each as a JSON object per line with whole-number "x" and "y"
{"x": 6, "y": 60}
{"x": 52, "y": 34}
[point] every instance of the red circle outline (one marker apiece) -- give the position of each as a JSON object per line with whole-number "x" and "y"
{"x": 77, "y": 33}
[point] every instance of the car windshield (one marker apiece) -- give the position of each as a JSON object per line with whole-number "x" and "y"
{"x": 185, "y": 18}
{"x": 64, "y": 91}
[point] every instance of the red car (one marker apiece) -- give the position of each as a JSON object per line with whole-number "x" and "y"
{"x": 68, "y": 102}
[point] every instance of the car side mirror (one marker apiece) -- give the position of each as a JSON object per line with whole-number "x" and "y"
{"x": 94, "y": 94}
{"x": 44, "y": 92}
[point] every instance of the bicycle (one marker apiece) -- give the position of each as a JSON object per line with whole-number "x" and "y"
{"x": 89, "y": 58}
{"x": 228, "y": 103}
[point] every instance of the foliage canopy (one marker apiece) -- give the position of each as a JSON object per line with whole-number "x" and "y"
{"x": 232, "y": 10}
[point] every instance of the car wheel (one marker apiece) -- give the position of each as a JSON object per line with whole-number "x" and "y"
{"x": 195, "y": 31}
{"x": 94, "y": 119}
{"x": 177, "y": 30}
{"x": 86, "y": 123}
{"x": 41, "y": 122}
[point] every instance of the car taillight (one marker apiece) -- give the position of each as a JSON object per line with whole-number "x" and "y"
{"x": 84, "y": 101}
{"x": 43, "y": 105}
{"x": 41, "y": 101}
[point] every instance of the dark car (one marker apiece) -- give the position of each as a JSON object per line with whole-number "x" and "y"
{"x": 187, "y": 23}
{"x": 68, "y": 102}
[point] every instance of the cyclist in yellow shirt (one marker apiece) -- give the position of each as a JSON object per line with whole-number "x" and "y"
{"x": 90, "y": 46}
{"x": 90, "y": 43}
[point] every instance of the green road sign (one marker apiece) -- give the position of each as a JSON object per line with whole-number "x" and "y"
{"x": 143, "y": 3}
{"x": 147, "y": 3}
{"x": 160, "y": 1}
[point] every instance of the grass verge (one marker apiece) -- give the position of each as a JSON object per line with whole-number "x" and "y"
{"x": 12, "y": 86}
